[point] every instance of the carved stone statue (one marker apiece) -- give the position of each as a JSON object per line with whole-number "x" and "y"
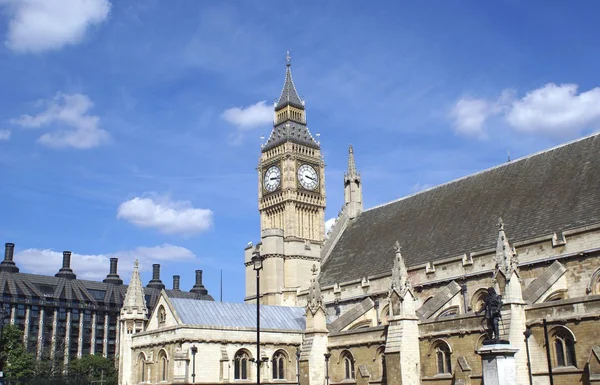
{"x": 492, "y": 309}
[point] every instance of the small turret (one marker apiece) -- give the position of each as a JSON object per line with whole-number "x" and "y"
{"x": 65, "y": 271}
{"x": 199, "y": 287}
{"x": 155, "y": 282}
{"x": 113, "y": 276}
{"x": 8, "y": 264}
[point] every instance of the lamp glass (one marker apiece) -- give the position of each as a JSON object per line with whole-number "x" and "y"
{"x": 257, "y": 260}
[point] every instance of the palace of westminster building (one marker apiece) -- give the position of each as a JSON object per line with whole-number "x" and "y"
{"x": 389, "y": 296}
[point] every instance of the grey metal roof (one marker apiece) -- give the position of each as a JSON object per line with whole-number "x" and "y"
{"x": 552, "y": 191}
{"x": 240, "y": 315}
{"x": 289, "y": 95}
{"x": 290, "y": 131}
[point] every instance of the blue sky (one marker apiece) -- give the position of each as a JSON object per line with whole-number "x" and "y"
{"x": 132, "y": 128}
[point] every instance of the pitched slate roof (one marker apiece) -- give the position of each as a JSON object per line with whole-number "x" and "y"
{"x": 552, "y": 191}
{"x": 290, "y": 131}
{"x": 240, "y": 315}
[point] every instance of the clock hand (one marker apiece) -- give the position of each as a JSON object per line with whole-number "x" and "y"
{"x": 306, "y": 176}
{"x": 274, "y": 178}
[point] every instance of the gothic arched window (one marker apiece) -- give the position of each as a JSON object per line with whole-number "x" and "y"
{"x": 478, "y": 299}
{"x": 348, "y": 361}
{"x": 453, "y": 310}
{"x": 564, "y": 347}
{"x": 142, "y": 367}
{"x": 163, "y": 362}
{"x": 279, "y": 359}
{"x": 443, "y": 357}
{"x": 240, "y": 365}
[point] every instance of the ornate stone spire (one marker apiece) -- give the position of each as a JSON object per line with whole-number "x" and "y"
{"x": 135, "y": 302}
{"x": 400, "y": 279}
{"x": 351, "y": 163}
{"x": 352, "y": 187}
{"x": 315, "y": 298}
{"x": 506, "y": 256}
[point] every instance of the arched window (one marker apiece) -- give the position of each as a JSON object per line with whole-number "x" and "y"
{"x": 478, "y": 300}
{"x": 443, "y": 356}
{"x": 162, "y": 314}
{"x": 564, "y": 347}
{"x": 556, "y": 296}
{"x": 384, "y": 315}
{"x": 163, "y": 362}
{"x": 279, "y": 359}
{"x": 594, "y": 284}
{"x": 142, "y": 367}
{"x": 348, "y": 362}
{"x": 453, "y": 310}
{"x": 240, "y": 365}
{"x": 380, "y": 361}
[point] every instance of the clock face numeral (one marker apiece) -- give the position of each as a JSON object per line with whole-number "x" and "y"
{"x": 272, "y": 179}
{"x": 308, "y": 177}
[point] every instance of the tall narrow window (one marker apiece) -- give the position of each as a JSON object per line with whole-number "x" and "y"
{"x": 279, "y": 366}
{"x": 443, "y": 357}
{"x": 163, "y": 365}
{"x": 564, "y": 348}
{"x": 348, "y": 365}
{"x": 240, "y": 366}
{"x": 142, "y": 367}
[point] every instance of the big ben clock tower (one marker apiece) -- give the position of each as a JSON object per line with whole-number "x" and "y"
{"x": 291, "y": 202}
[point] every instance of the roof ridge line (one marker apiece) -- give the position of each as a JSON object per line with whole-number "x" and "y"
{"x": 487, "y": 170}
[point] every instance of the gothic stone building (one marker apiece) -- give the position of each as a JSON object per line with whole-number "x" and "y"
{"x": 63, "y": 317}
{"x": 391, "y": 294}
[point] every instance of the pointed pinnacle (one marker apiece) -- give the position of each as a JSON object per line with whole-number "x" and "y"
{"x": 351, "y": 163}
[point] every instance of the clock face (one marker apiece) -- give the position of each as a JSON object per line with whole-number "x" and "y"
{"x": 308, "y": 177}
{"x": 272, "y": 179}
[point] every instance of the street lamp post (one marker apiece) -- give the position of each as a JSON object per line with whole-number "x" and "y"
{"x": 327, "y": 355}
{"x": 298, "y": 365}
{"x": 194, "y": 350}
{"x": 257, "y": 261}
{"x": 527, "y": 334}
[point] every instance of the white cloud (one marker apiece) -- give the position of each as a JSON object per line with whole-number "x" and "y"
{"x": 556, "y": 110}
{"x": 96, "y": 266}
{"x": 70, "y": 110}
{"x": 329, "y": 224}
{"x": 552, "y": 110}
{"x": 470, "y": 116}
{"x": 43, "y": 25}
{"x": 4, "y": 134}
{"x": 249, "y": 117}
{"x": 169, "y": 217}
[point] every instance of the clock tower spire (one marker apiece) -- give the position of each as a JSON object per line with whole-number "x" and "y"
{"x": 291, "y": 202}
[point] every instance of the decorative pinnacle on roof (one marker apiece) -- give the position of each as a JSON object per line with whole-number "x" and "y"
{"x": 351, "y": 164}
{"x": 135, "y": 301}
{"x": 289, "y": 95}
{"x": 506, "y": 256}
{"x": 400, "y": 279}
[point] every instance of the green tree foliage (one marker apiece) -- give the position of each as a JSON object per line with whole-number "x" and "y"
{"x": 94, "y": 368}
{"x": 16, "y": 362}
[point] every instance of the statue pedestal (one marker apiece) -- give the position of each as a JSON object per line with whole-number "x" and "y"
{"x": 498, "y": 364}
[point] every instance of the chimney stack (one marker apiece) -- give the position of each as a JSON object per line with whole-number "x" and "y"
{"x": 65, "y": 271}
{"x": 155, "y": 282}
{"x": 8, "y": 264}
{"x": 199, "y": 287}
{"x": 176, "y": 282}
{"x": 113, "y": 276}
